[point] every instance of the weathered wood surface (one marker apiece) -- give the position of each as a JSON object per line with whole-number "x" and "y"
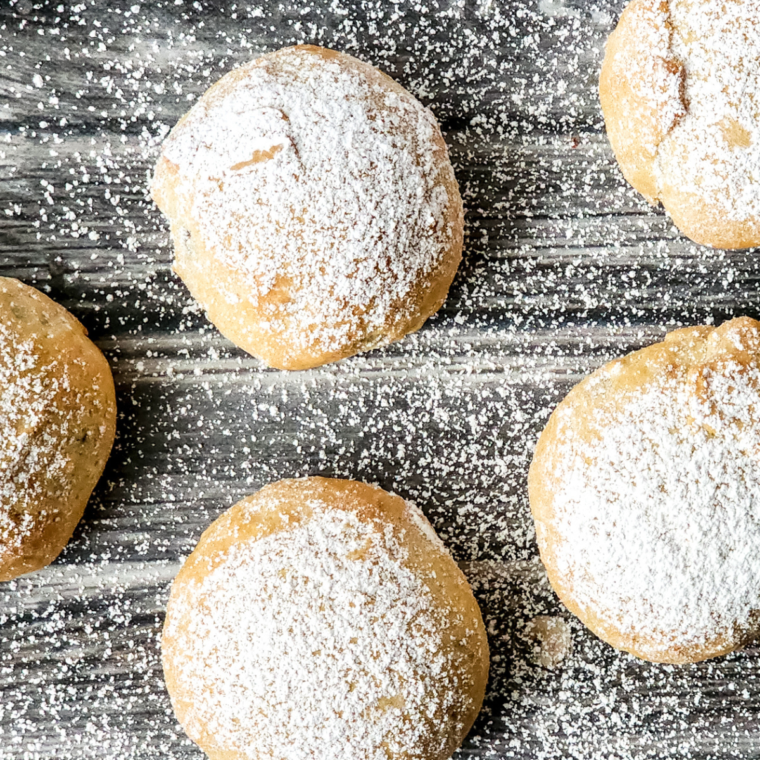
{"x": 564, "y": 268}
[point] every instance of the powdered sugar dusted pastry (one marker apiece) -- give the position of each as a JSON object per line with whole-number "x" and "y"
{"x": 645, "y": 490}
{"x": 680, "y": 91}
{"x": 324, "y": 618}
{"x": 57, "y": 422}
{"x": 313, "y": 207}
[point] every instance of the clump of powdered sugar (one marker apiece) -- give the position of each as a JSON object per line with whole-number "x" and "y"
{"x": 714, "y": 150}
{"x": 317, "y": 641}
{"x": 310, "y": 173}
{"x": 658, "y": 517}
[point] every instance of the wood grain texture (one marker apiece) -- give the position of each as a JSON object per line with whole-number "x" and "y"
{"x": 565, "y": 267}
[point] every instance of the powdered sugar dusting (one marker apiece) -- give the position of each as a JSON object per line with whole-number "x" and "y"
{"x": 310, "y": 177}
{"x": 653, "y": 73}
{"x": 316, "y": 641}
{"x": 565, "y": 268}
{"x": 659, "y": 516}
{"x": 33, "y": 432}
{"x": 418, "y": 518}
{"x": 714, "y": 151}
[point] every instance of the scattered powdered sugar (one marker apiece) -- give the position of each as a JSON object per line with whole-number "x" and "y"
{"x": 309, "y": 175}
{"x": 316, "y": 641}
{"x": 714, "y": 150}
{"x": 658, "y": 518}
{"x": 566, "y": 267}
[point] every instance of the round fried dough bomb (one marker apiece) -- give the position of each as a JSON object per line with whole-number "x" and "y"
{"x": 57, "y": 423}
{"x": 645, "y": 490}
{"x": 324, "y": 616}
{"x": 680, "y": 92}
{"x": 314, "y": 210}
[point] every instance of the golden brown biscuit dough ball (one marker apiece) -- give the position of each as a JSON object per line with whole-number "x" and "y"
{"x": 680, "y": 91}
{"x": 57, "y": 424}
{"x": 313, "y": 208}
{"x": 324, "y": 618}
{"x": 645, "y": 490}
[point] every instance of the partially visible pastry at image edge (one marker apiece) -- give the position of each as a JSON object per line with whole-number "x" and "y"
{"x": 645, "y": 491}
{"x": 324, "y": 618}
{"x": 680, "y": 92}
{"x": 57, "y": 425}
{"x": 314, "y": 210}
